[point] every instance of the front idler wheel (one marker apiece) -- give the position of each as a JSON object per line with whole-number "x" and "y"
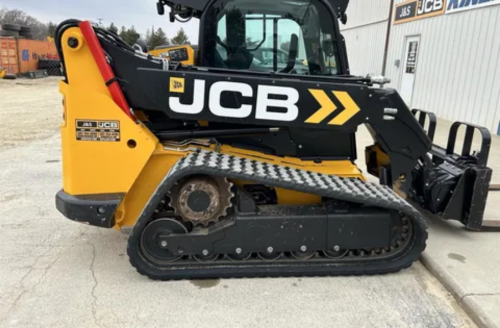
{"x": 154, "y": 240}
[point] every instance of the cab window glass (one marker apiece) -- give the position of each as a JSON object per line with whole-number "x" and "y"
{"x": 285, "y": 37}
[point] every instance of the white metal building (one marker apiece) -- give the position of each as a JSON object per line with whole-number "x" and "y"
{"x": 442, "y": 55}
{"x": 365, "y": 34}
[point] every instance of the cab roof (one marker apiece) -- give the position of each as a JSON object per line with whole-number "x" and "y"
{"x": 340, "y": 6}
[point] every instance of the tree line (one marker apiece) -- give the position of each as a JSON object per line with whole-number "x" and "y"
{"x": 153, "y": 37}
{"x": 40, "y": 31}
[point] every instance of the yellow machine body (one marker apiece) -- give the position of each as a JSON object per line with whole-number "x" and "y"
{"x": 236, "y": 187}
{"x": 110, "y": 165}
{"x": 132, "y": 161}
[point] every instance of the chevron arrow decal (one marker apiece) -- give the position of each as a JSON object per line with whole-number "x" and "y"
{"x": 327, "y": 106}
{"x": 351, "y": 108}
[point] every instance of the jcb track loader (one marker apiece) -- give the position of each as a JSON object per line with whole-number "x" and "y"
{"x": 228, "y": 162}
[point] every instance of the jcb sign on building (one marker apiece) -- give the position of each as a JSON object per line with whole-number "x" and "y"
{"x": 417, "y": 9}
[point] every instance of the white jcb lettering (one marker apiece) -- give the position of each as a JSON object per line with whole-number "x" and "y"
{"x": 214, "y": 100}
{"x": 263, "y": 103}
{"x": 198, "y": 100}
{"x": 429, "y": 6}
{"x": 438, "y": 5}
{"x": 107, "y": 125}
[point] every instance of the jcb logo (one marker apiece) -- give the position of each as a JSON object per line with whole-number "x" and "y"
{"x": 290, "y": 113}
{"x": 273, "y": 103}
{"x": 107, "y": 125}
{"x": 177, "y": 84}
{"x": 429, "y": 6}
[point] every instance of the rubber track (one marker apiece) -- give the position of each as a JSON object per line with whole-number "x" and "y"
{"x": 233, "y": 167}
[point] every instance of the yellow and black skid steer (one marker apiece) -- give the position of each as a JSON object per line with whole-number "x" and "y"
{"x": 239, "y": 159}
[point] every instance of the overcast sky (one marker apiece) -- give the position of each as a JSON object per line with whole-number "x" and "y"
{"x": 140, "y": 13}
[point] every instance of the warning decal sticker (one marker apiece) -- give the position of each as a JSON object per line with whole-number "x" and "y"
{"x": 97, "y": 130}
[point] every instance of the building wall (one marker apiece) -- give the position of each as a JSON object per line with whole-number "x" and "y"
{"x": 365, "y": 48}
{"x": 458, "y": 66}
{"x": 458, "y": 69}
{"x": 365, "y": 35}
{"x": 363, "y": 12}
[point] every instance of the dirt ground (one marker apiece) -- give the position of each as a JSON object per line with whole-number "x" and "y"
{"x": 29, "y": 110}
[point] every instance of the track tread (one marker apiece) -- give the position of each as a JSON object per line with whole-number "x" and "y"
{"x": 208, "y": 162}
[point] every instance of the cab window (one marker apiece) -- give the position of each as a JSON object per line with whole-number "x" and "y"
{"x": 293, "y": 37}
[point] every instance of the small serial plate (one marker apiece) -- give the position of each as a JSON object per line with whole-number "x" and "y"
{"x": 97, "y": 130}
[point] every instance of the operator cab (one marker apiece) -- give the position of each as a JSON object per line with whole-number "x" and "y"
{"x": 292, "y": 37}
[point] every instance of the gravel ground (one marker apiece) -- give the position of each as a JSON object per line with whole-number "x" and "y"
{"x": 29, "y": 110}
{"x": 57, "y": 273}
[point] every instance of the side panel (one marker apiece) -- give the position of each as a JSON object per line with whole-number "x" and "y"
{"x": 155, "y": 170}
{"x": 263, "y": 100}
{"x": 162, "y": 160}
{"x": 103, "y": 150}
{"x": 277, "y": 101}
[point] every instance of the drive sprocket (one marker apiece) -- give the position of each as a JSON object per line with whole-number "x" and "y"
{"x": 201, "y": 199}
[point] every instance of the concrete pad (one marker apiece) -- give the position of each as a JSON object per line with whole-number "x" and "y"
{"x": 483, "y": 308}
{"x": 493, "y": 203}
{"x": 465, "y": 262}
{"x": 58, "y": 273}
{"x": 471, "y": 258}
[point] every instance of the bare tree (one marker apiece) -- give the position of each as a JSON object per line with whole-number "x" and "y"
{"x": 16, "y": 16}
